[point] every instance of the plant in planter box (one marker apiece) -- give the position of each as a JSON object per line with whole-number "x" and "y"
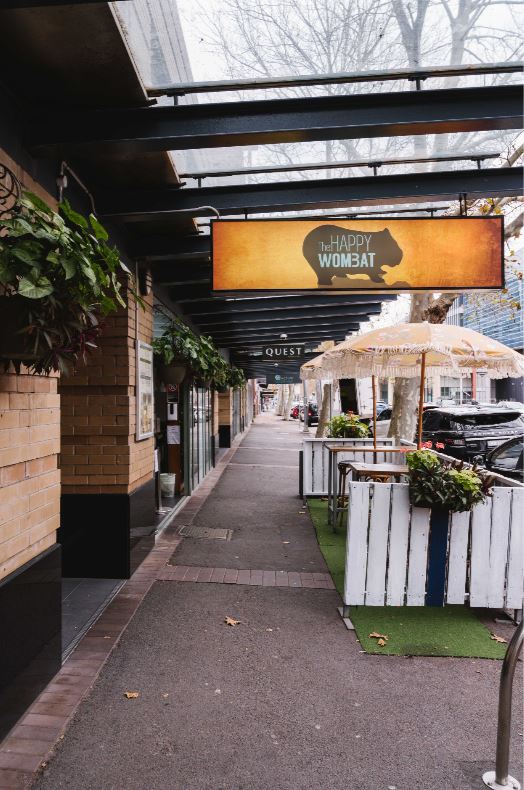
{"x": 347, "y": 426}
{"x": 447, "y": 485}
{"x": 59, "y": 277}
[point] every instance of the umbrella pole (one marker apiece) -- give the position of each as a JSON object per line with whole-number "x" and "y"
{"x": 374, "y": 415}
{"x": 421, "y": 399}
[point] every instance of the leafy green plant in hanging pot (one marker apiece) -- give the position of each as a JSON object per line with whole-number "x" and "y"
{"x": 59, "y": 277}
{"x": 177, "y": 349}
{"x": 236, "y": 377}
{"x": 347, "y": 426}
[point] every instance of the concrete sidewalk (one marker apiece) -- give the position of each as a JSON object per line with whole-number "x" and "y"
{"x": 284, "y": 700}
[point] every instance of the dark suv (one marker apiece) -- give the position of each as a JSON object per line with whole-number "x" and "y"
{"x": 470, "y": 431}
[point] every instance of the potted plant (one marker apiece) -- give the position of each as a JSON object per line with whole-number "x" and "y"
{"x": 236, "y": 377}
{"x": 448, "y": 485}
{"x": 178, "y": 350}
{"x": 347, "y": 426}
{"x": 59, "y": 277}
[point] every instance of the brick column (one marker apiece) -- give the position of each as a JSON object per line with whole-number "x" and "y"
{"x": 103, "y": 466}
{"x": 30, "y": 574}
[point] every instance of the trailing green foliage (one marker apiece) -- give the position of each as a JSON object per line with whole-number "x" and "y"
{"x": 235, "y": 377}
{"x": 435, "y": 483}
{"x": 347, "y": 426}
{"x": 65, "y": 277}
{"x": 179, "y": 344}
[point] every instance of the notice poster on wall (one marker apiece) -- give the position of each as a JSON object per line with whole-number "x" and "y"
{"x": 144, "y": 391}
{"x": 173, "y": 434}
{"x": 387, "y": 255}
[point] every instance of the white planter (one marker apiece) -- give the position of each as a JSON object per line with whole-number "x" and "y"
{"x": 387, "y": 549}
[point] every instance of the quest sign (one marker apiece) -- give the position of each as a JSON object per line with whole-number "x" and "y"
{"x": 283, "y": 351}
{"x": 440, "y": 254}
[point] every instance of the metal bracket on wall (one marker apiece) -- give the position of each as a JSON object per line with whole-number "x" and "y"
{"x": 10, "y": 191}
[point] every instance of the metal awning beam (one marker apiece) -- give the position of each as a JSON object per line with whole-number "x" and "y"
{"x": 11, "y": 4}
{"x": 281, "y": 317}
{"x": 170, "y": 247}
{"x": 314, "y": 337}
{"x": 313, "y": 322}
{"x": 334, "y": 78}
{"x": 225, "y": 307}
{"x": 229, "y": 323}
{"x": 372, "y": 163}
{"x": 321, "y": 326}
{"x": 144, "y": 129}
{"x": 315, "y": 194}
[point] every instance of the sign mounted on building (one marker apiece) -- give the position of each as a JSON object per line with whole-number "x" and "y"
{"x": 282, "y": 378}
{"x": 144, "y": 391}
{"x": 275, "y": 351}
{"x": 396, "y": 255}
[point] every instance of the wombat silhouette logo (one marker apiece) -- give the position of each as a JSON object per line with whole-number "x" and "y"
{"x": 332, "y": 251}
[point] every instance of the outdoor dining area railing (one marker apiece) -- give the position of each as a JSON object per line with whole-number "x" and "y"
{"x": 398, "y": 554}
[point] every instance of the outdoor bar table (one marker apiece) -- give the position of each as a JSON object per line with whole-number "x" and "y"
{"x": 377, "y": 472}
{"x": 333, "y": 450}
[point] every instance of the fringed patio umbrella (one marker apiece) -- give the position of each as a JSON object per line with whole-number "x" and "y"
{"x": 312, "y": 370}
{"x": 412, "y": 350}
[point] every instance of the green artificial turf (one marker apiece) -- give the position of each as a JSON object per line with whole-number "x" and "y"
{"x": 411, "y": 630}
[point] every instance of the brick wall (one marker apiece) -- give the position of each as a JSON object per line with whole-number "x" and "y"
{"x": 225, "y": 408}
{"x": 29, "y": 447}
{"x": 99, "y": 452}
{"x": 29, "y": 477}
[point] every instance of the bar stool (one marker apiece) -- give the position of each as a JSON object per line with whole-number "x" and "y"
{"x": 342, "y": 497}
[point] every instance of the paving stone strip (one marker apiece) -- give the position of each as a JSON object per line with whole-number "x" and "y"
{"x": 264, "y": 578}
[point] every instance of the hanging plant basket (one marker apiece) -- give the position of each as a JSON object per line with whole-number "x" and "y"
{"x": 59, "y": 277}
{"x": 173, "y": 374}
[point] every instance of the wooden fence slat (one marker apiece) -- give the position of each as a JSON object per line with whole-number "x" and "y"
{"x": 418, "y": 556}
{"x": 458, "y": 558}
{"x": 378, "y": 544}
{"x": 318, "y": 469}
{"x": 498, "y": 552}
{"x": 514, "y": 590}
{"x": 398, "y": 544}
{"x": 356, "y": 544}
{"x": 307, "y": 467}
{"x": 480, "y": 544}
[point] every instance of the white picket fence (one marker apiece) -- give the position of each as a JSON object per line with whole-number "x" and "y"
{"x": 387, "y": 549}
{"x": 316, "y": 460}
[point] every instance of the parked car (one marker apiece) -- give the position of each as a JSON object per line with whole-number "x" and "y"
{"x": 384, "y": 419}
{"x": 470, "y": 432}
{"x": 508, "y": 459}
{"x": 516, "y": 405}
{"x": 312, "y": 414}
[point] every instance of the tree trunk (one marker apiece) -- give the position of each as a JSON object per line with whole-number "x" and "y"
{"x": 288, "y": 402}
{"x": 405, "y": 393}
{"x": 280, "y": 401}
{"x": 323, "y": 416}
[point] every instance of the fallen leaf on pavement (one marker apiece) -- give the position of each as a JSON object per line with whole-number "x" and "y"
{"x": 498, "y": 638}
{"x": 285, "y": 541}
{"x": 131, "y": 694}
{"x": 301, "y": 512}
{"x": 374, "y": 635}
{"x": 165, "y": 695}
{"x": 269, "y": 629}
{"x": 231, "y": 621}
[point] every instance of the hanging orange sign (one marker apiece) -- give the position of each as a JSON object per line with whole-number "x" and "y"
{"x": 395, "y": 255}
